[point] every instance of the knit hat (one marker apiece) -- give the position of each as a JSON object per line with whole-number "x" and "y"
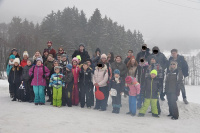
{"x": 45, "y": 50}
{"x": 31, "y": 60}
{"x": 82, "y": 44}
{"x": 78, "y": 57}
{"x": 55, "y": 61}
{"x": 117, "y": 71}
{"x": 88, "y": 59}
{"x": 12, "y": 56}
{"x": 14, "y": 49}
{"x": 50, "y": 55}
{"x": 25, "y": 53}
{"x": 16, "y": 60}
{"x": 154, "y": 72}
{"x": 49, "y": 42}
{"x": 39, "y": 59}
{"x": 104, "y": 56}
{"x": 128, "y": 80}
{"x": 64, "y": 55}
{"x": 75, "y": 59}
{"x": 153, "y": 57}
{"x": 56, "y": 67}
{"x": 69, "y": 66}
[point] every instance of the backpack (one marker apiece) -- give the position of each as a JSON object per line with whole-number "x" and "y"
{"x": 21, "y": 93}
{"x": 32, "y": 76}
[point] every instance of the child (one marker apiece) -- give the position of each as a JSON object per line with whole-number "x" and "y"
{"x": 8, "y": 68}
{"x": 150, "y": 92}
{"x": 14, "y": 78}
{"x": 134, "y": 91}
{"x": 25, "y": 58}
{"x": 69, "y": 81}
{"x": 59, "y": 58}
{"x": 116, "y": 85}
{"x": 64, "y": 61}
{"x": 27, "y": 81}
{"x": 85, "y": 77}
{"x": 174, "y": 81}
{"x": 38, "y": 74}
{"x": 56, "y": 81}
{"x": 75, "y": 91}
{"x": 79, "y": 59}
{"x": 100, "y": 79}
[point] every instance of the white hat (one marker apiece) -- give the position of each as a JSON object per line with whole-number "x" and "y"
{"x": 25, "y": 53}
{"x": 16, "y": 60}
{"x": 104, "y": 56}
{"x": 39, "y": 59}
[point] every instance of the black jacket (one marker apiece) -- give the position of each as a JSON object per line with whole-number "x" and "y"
{"x": 117, "y": 86}
{"x": 84, "y": 55}
{"x": 15, "y": 76}
{"x": 25, "y": 73}
{"x": 181, "y": 64}
{"x": 85, "y": 77}
{"x": 141, "y": 72}
{"x": 144, "y": 54}
{"x": 121, "y": 67}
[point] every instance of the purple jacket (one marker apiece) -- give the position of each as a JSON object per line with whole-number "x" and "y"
{"x": 38, "y": 79}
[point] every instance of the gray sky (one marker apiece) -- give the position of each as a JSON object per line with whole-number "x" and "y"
{"x": 163, "y": 24}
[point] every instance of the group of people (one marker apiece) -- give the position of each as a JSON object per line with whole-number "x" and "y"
{"x": 84, "y": 79}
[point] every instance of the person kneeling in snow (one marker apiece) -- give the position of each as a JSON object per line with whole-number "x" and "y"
{"x": 134, "y": 91}
{"x": 56, "y": 81}
{"x": 116, "y": 87}
{"x": 173, "y": 83}
{"x": 150, "y": 92}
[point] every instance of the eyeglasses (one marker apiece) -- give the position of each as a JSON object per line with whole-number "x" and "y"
{"x": 173, "y": 64}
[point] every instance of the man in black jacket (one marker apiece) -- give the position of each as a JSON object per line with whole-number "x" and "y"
{"x": 81, "y": 51}
{"x": 182, "y": 64}
{"x": 144, "y": 53}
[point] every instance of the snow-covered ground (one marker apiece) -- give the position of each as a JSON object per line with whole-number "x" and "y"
{"x": 16, "y": 117}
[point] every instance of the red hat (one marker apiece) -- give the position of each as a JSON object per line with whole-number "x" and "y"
{"x": 128, "y": 80}
{"x": 49, "y": 42}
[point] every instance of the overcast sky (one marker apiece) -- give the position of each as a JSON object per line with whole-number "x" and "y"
{"x": 167, "y": 25}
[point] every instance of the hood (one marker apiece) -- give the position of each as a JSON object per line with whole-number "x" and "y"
{"x": 98, "y": 49}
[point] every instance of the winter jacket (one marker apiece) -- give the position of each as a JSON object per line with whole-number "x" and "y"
{"x": 53, "y": 52}
{"x": 56, "y": 80}
{"x": 9, "y": 67}
{"x": 143, "y": 54}
{"x": 132, "y": 71}
{"x": 95, "y": 60}
{"x": 63, "y": 63}
{"x": 44, "y": 58}
{"x": 85, "y": 77}
{"x": 84, "y": 55}
{"x": 134, "y": 88}
{"x": 15, "y": 75}
{"x": 23, "y": 63}
{"x": 158, "y": 68}
{"x": 34, "y": 60}
{"x": 127, "y": 60}
{"x": 119, "y": 86}
{"x": 151, "y": 88}
{"x": 141, "y": 72}
{"x": 174, "y": 81}
{"x": 7, "y": 61}
{"x": 68, "y": 78}
{"x": 38, "y": 79}
{"x": 100, "y": 76}
{"x": 121, "y": 67}
{"x": 182, "y": 64}
{"x": 75, "y": 71}
{"x": 49, "y": 64}
{"x": 25, "y": 73}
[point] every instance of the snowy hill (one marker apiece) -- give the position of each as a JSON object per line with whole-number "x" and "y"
{"x": 18, "y": 117}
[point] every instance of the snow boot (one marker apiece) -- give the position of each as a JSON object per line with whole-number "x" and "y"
{"x": 14, "y": 99}
{"x": 155, "y": 115}
{"x": 185, "y": 101}
{"x": 128, "y": 113}
{"x": 140, "y": 115}
{"x": 173, "y": 118}
{"x": 169, "y": 115}
{"x": 36, "y": 103}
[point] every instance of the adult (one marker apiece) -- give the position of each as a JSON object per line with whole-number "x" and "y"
{"x": 45, "y": 55}
{"x": 51, "y": 49}
{"x": 111, "y": 57}
{"x": 183, "y": 65}
{"x": 107, "y": 65}
{"x": 132, "y": 67}
{"x": 25, "y": 58}
{"x": 82, "y": 52}
{"x": 130, "y": 55}
{"x": 36, "y": 55}
{"x": 144, "y": 53}
{"x": 96, "y": 57}
{"x": 13, "y": 52}
{"x": 61, "y": 51}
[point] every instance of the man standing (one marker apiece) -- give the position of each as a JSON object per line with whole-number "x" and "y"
{"x": 51, "y": 49}
{"x": 130, "y": 54}
{"x": 144, "y": 53}
{"x": 184, "y": 67}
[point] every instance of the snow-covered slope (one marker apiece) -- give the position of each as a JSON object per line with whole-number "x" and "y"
{"x": 16, "y": 117}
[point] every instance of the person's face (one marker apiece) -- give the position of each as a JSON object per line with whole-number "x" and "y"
{"x": 133, "y": 61}
{"x": 89, "y": 63}
{"x": 118, "y": 59}
{"x": 59, "y": 58}
{"x": 64, "y": 58}
{"x": 16, "y": 64}
{"x": 55, "y": 64}
{"x": 103, "y": 60}
{"x": 57, "y": 70}
{"x": 37, "y": 54}
{"x": 11, "y": 60}
{"x": 173, "y": 65}
{"x": 60, "y": 51}
{"x": 85, "y": 67}
{"x": 39, "y": 63}
{"x": 25, "y": 57}
{"x": 98, "y": 53}
{"x": 109, "y": 55}
{"x": 46, "y": 54}
{"x": 28, "y": 63}
{"x": 50, "y": 58}
{"x": 153, "y": 76}
{"x": 174, "y": 54}
{"x": 14, "y": 53}
{"x": 130, "y": 53}
{"x": 153, "y": 61}
{"x": 49, "y": 45}
{"x": 116, "y": 75}
{"x": 75, "y": 63}
{"x": 81, "y": 48}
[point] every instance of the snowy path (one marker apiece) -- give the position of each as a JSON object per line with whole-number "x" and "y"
{"x": 16, "y": 117}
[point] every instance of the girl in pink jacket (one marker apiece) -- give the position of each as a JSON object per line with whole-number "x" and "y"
{"x": 134, "y": 90}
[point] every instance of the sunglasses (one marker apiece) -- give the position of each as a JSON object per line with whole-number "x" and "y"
{"x": 173, "y": 64}
{"x": 60, "y": 50}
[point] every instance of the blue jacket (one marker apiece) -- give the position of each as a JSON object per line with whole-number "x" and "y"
{"x": 56, "y": 80}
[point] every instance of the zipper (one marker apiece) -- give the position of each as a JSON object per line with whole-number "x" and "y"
{"x": 151, "y": 87}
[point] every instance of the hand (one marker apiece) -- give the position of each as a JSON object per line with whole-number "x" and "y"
{"x": 96, "y": 84}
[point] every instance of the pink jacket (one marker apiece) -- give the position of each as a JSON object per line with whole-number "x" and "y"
{"x": 100, "y": 76}
{"x": 134, "y": 88}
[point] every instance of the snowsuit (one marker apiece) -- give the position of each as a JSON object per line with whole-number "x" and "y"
{"x": 85, "y": 78}
{"x": 14, "y": 79}
{"x": 150, "y": 92}
{"x": 101, "y": 77}
{"x": 67, "y": 93}
{"x": 75, "y": 91}
{"x": 27, "y": 83}
{"x": 174, "y": 81}
{"x": 56, "y": 81}
{"x": 119, "y": 87}
{"x": 39, "y": 82}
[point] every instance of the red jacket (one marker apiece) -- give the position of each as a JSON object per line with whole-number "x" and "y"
{"x": 53, "y": 52}
{"x": 23, "y": 63}
{"x": 75, "y": 71}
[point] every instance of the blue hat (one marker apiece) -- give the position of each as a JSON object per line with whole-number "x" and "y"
{"x": 69, "y": 66}
{"x": 117, "y": 71}
{"x": 12, "y": 56}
